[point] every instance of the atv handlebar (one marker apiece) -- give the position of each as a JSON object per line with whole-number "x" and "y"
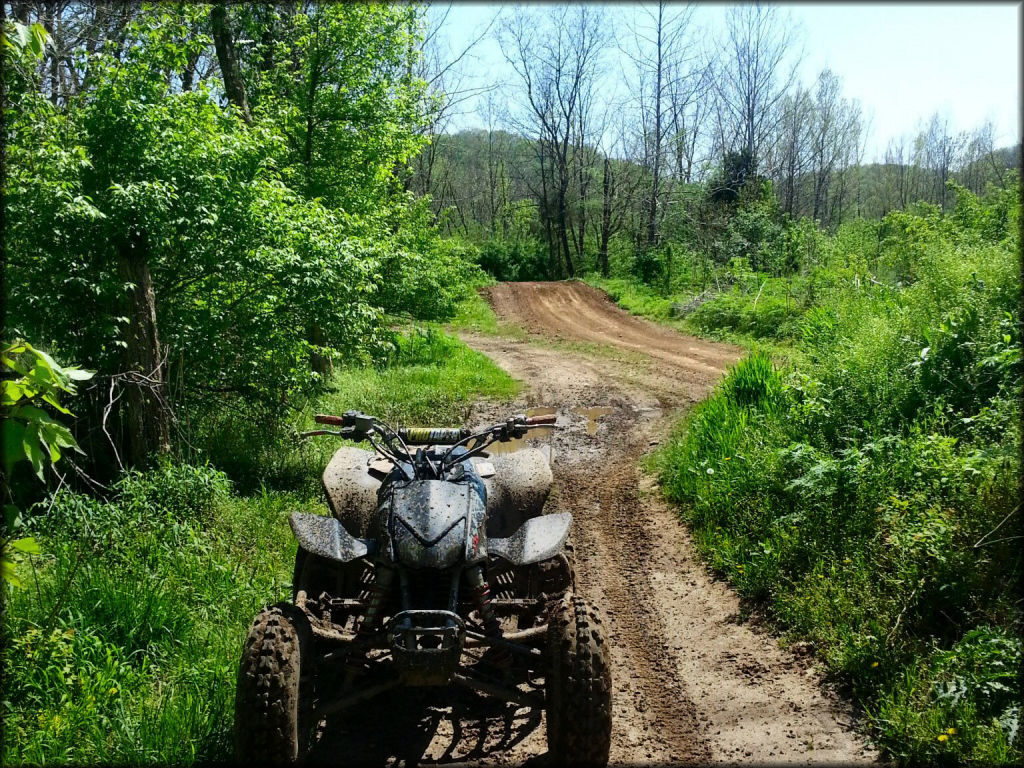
{"x": 395, "y": 443}
{"x": 539, "y": 421}
{"x": 431, "y": 436}
{"x": 356, "y": 425}
{"x": 334, "y": 421}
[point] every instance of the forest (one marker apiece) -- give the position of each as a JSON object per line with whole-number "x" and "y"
{"x": 219, "y": 219}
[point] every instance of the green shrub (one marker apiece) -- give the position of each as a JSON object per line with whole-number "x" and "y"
{"x": 773, "y": 317}
{"x": 511, "y": 260}
{"x": 183, "y": 491}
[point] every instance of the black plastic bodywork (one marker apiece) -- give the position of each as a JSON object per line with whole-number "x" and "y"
{"x": 326, "y": 537}
{"x": 431, "y": 533}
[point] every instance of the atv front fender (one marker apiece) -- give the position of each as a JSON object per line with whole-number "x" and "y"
{"x": 537, "y": 539}
{"x": 326, "y": 537}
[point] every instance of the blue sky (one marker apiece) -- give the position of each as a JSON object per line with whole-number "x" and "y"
{"x": 902, "y": 62}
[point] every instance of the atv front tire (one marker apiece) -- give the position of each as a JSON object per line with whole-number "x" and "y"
{"x": 579, "y": 685}
{"x": 272, "y": 711}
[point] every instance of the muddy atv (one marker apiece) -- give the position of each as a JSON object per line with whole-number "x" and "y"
{"x": 438, "y": 567}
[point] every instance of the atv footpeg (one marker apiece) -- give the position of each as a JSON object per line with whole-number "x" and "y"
{"x": 426, "y": 645}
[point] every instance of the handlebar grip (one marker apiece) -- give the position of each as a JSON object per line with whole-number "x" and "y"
{"x": 429, "y": 436}
{"x": 546, "y": 419}
{"x": 324, "y": 418}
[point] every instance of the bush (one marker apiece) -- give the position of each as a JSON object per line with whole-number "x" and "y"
{"x": 773, "y": 318}
{"x": 512, "y": 260}
{"x": 181, "y": 491}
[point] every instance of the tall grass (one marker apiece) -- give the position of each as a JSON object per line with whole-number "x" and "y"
{"x": 863, "y": 495}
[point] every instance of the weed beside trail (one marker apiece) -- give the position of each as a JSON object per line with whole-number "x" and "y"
{"x": 123, "y": 645}
{"x": 868, "y": 494}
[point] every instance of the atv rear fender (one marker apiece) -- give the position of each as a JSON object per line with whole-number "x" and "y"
{"x": 539, "y": 538}
{"x": 326, "y": 537}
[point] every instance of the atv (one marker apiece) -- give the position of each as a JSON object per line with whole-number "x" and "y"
{"x": 437, "y": 567}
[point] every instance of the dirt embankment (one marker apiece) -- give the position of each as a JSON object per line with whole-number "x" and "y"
{"x": 693, "y": 683}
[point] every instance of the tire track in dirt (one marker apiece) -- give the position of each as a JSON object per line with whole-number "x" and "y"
{"x": 692, "y": 682}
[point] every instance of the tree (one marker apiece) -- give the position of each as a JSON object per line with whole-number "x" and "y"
{"x": 793, "y": 148}
{"x": 754, "y": 79}
{"x": 834, "y": 139}
{"x": 155, "y": 239}
{"x": 667, "y": 81}
{"x": 941, "y": 154}
{"x": 448, "y": 86}
{"x": 557, "y": 68}
{"x": 223, "y": 39}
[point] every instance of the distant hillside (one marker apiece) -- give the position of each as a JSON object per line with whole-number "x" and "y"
{"x": 475, "y": 175}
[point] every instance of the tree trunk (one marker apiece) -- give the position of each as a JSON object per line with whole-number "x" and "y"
{"x": 234, "y": 87}
{"x": 606, "y": 216}
{"x": 652, "y": 220}
{"x": 563, "y": 224}
{"x": 545, "y": 212}
{"x": 318, "y": 362}
{"x": 148, "y": 414}
{"x": 188, "y": 77}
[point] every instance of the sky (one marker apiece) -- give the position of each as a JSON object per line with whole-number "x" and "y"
{"x": 902, "y": 62}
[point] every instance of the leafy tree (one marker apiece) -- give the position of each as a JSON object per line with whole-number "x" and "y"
{"x": 32, "y": 380}
{"x": 340, "y": 79}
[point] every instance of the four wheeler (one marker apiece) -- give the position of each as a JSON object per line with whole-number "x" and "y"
{"x": 438, "y": 567}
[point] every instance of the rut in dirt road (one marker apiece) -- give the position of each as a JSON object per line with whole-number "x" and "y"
{"x": 692, "y": 683}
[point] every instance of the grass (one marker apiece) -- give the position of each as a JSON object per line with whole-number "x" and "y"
{"x": 475, "y": 314}
{"x": 856, "y": 494}
{"x": 434, "y": 379}
{"x": 123, "y": 646}
{"x": 733, "y": 317}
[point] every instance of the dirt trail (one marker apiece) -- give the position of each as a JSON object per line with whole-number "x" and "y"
{"x": 693, "y": 683}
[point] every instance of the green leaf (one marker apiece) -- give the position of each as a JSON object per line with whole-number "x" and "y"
{"x": 32, "y": 414}
{"x": 21, "y": 32}
{"x": 28, "y": 545}
{"x": 77, "y": 374}
{"x": 7, "y": 571}
{"x": 49, "y": 398}
{"x": 12, "y": 433}
{"x": 12, "y": 516}
{"x": 45, "y": 360}
{"x": 32, "y": 450}
{"x": 38, "y": 44}
{"x": 13, "y": 391}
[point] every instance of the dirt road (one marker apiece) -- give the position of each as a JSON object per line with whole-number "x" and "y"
{"x": 693, "y": 683}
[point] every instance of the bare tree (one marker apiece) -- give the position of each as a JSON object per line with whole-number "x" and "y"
{"x": 754, "y": 78}
{"x": 690, "y": 107}
{"x": 75, "y": 30}
{"x": 556, "y": 63}
{"x": 941, "y": 151}
{"x": 667, "y": 77}
{"x": 981, "y": 163}
{"x": 835, "y": 138}
{"x": 897, "y": 175}
{"x": 449, "y": 85}
{"x": 793, "y": 147}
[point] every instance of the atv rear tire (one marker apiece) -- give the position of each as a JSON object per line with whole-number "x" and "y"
{"x": 272, "y": 711}
{"x": 579, "y": 685}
